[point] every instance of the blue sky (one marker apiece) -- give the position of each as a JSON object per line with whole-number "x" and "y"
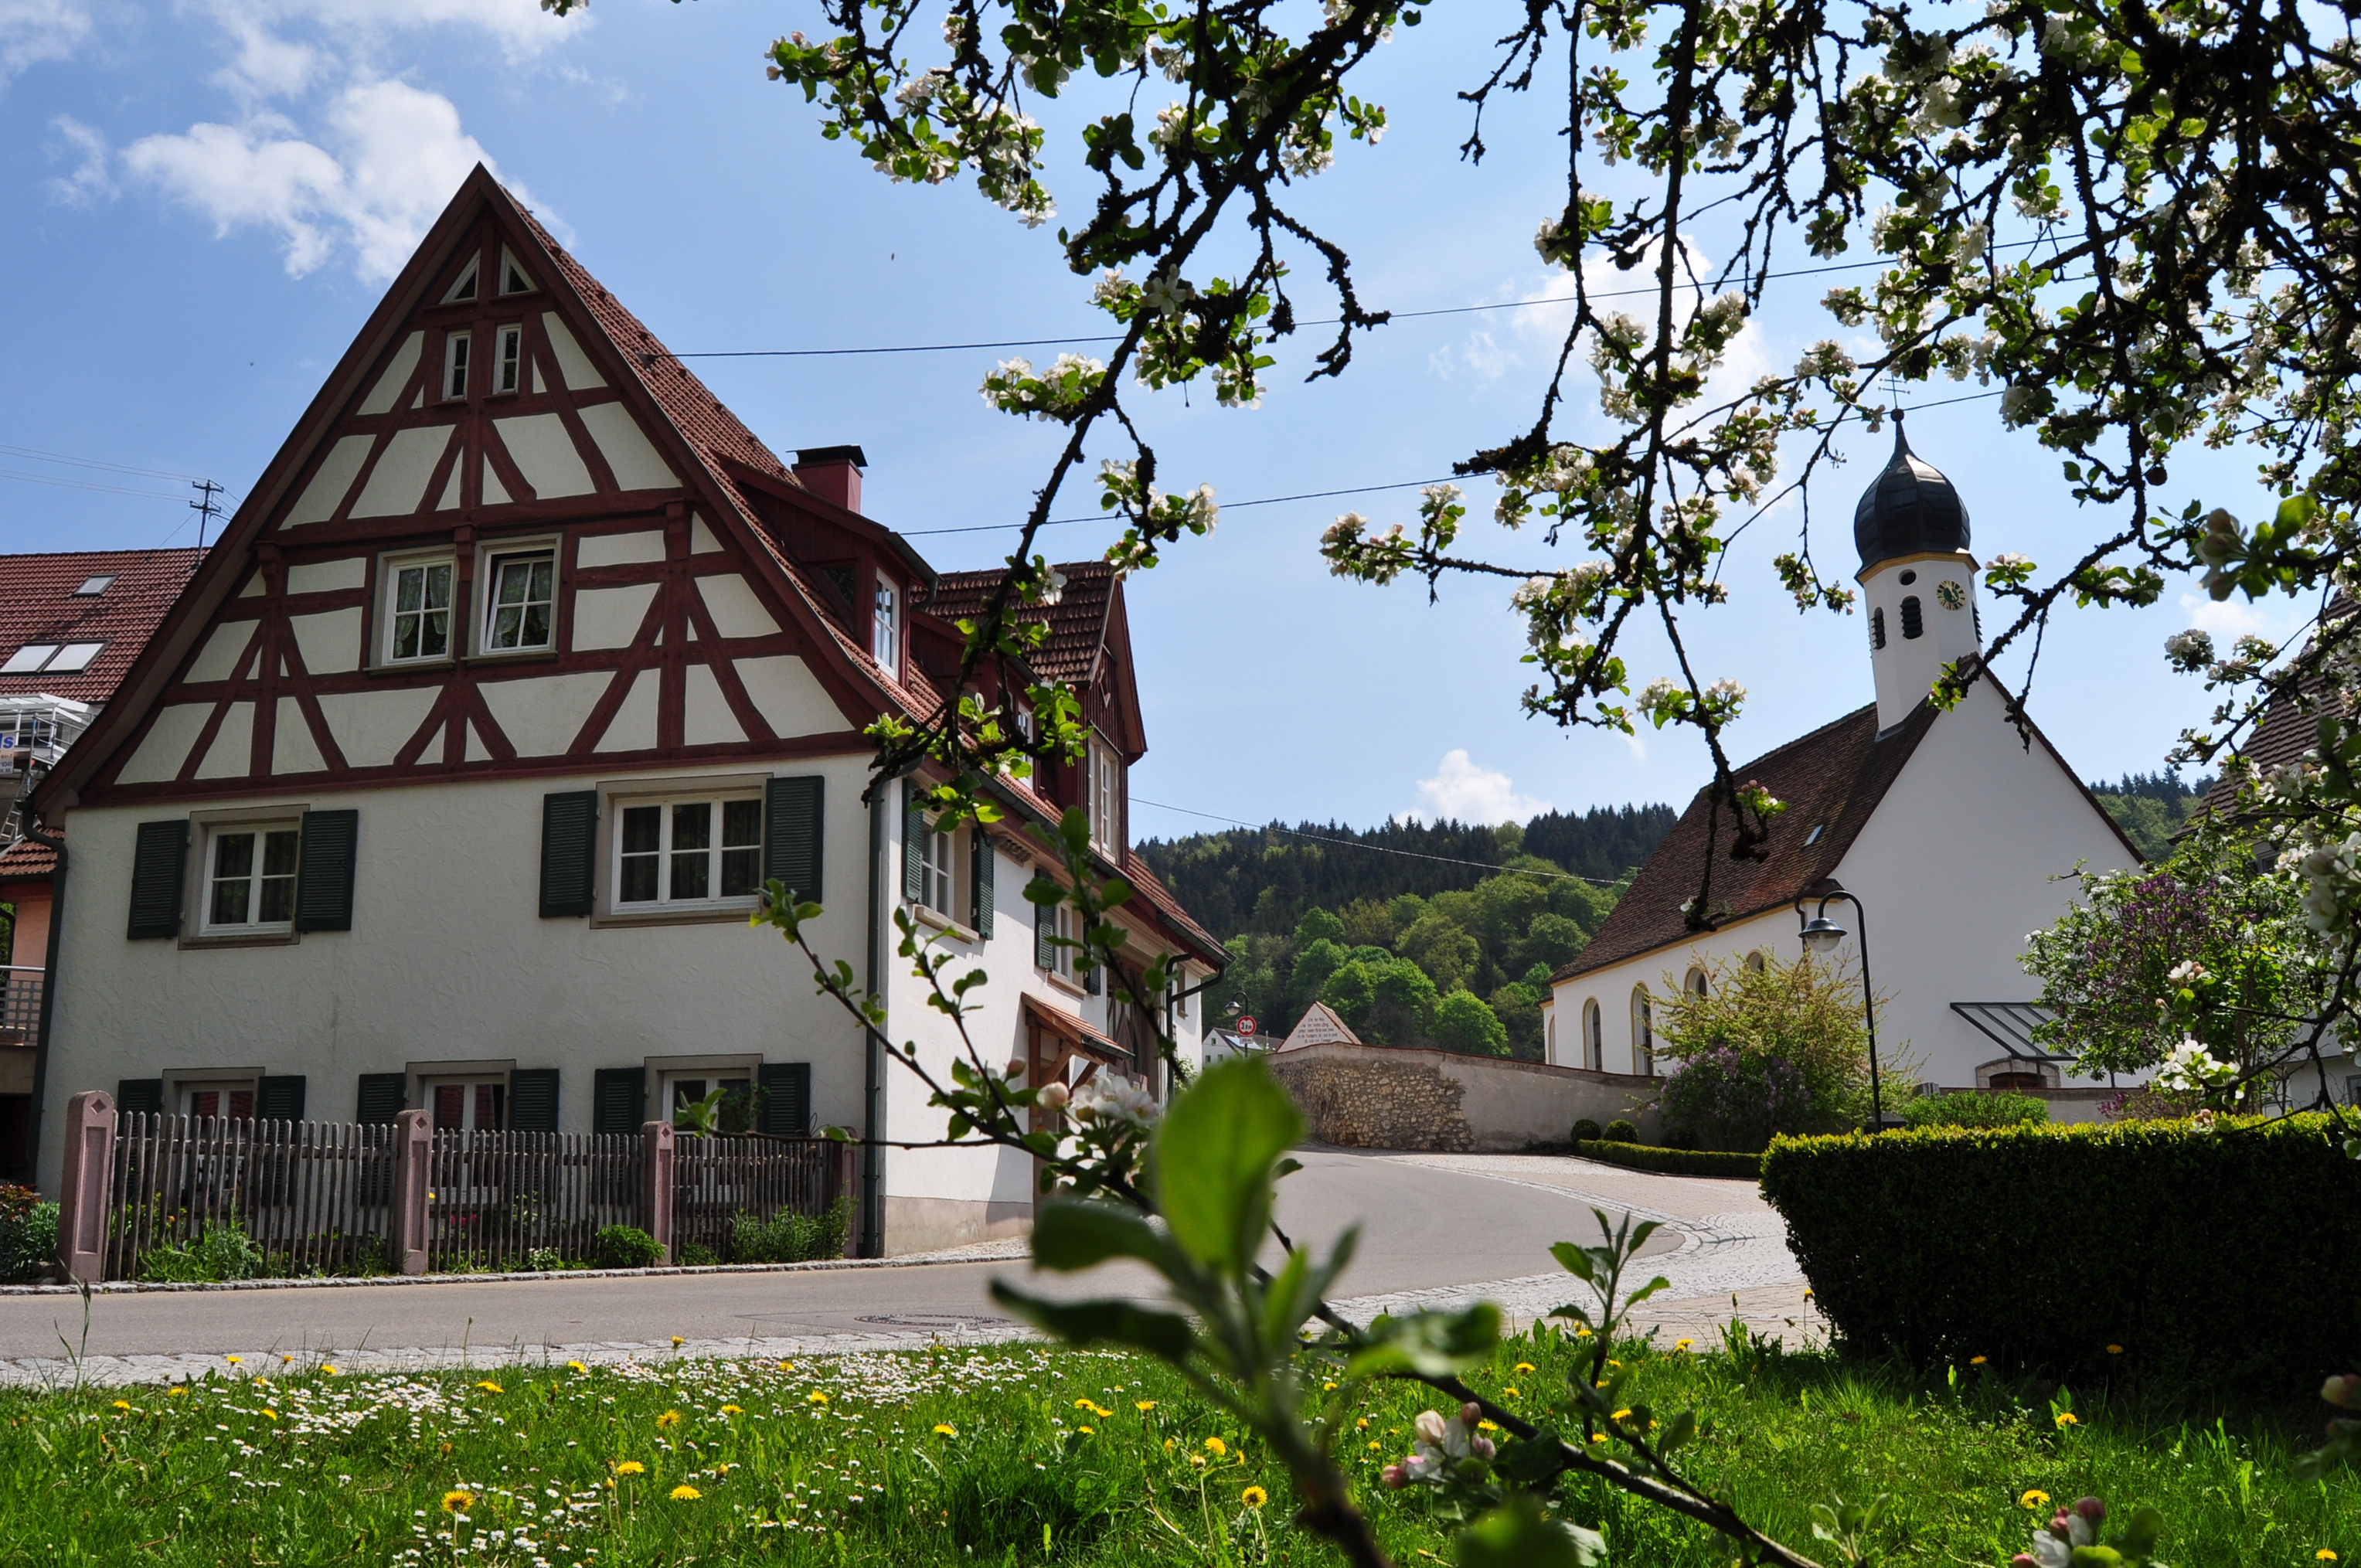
{"x": 203, "y": 200}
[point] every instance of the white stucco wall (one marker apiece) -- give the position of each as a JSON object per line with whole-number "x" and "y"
{"x": 1966, "y": 854}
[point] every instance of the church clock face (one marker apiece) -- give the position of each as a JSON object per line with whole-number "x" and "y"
{"x": 1951, "y": 596}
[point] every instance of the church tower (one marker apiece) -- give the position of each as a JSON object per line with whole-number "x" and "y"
{"x": 1916, "y": 578}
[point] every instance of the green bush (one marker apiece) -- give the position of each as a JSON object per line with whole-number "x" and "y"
{"x": 1621, "y": 1131}
{"x": 1586, "y": 1131}
{"x": 1672, "y": 1162}
{"x": 220, "y": 1253}
{"x": 626, "y": 1247}
{"x": 788, "y": 1238}
{"x": 1974, "y": 1108}
{"x": 2206, "y": 1253}
{"x": 692, "y": 1253}
{"x": 29, "y": 1235}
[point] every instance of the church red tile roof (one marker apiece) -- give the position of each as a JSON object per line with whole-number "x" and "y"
{"x": 38, "y": 605}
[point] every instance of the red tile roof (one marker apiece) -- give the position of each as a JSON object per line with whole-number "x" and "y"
{"x": 1168, "y": 909}
{"x": 1831, "y": 780}
{"x": 28, "y": 861}
{"x": 37, "y": 604}
{"x": 1077, "y": 622}
{"x": 2287, "y": 730}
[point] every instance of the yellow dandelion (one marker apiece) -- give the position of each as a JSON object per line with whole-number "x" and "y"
{"x": 176, "y": 1390}
{"x": 1510, "y": 1392}
{"x": 818, "y": 1397}
{"x": 685, "y": 1493}
{"x": 232, "y": 1360}
{"x": 786, "y": 1366}
{"x": 1623, "y": 1415}
{"x": 1977, "y": 1360}
{"x": 122, "y": 1404}
{"x": 1375, "y": 1445}
{"x": 2324, "y": 1555}
{"x": 576, "y": 1366}
{"x": 669, "y": 1420}
{"x": 2114, "y": 1350}
{"x": 678, "y": 1342}
{"x": 733, "y": 1410}
{"x": 1683, "y": 1343}
{"x": 457, "y": 1502}
{"x": 489, "y": 1387}
{"x": 1362, "y": 1425}
{"x": 1216, "y": 1447}
{"x": 1167, "y": 1445}
{"x": 1612, "y": 1362}
{"x": 1088, "y": 1431}
{"x": 1327, "y": 1388}
{"x": 1524, "y": 1366}
{"x": 329, "y": 1367}
{"x": 259, "y": 1381}
{"x": 2067, "y": 1418}
{"x": 1582, "y": 1330}
{"x": 2037, "y": 1500}
{"x": 1487, "y": 1426}
{"x": 631, "y": 1467}
{"x": 944, "y": 1429}
{"x": 269, "y": 1414}
{"x": 1254, "y": 1496}
{"x": 1144, "y": 1405}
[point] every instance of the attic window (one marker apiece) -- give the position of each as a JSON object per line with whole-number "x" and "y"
{"x": 512, "y": 277}
{"x": 51, "y": 658}
{"x": 1814, "y": 837}
{"x": 28, "y": 658}
{"x": 465, "y": 288}
{"x": 94, "y": 587}
{"x": 455, "y": 364}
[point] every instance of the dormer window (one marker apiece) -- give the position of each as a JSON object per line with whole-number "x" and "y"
{"x": 512, "y": 277}
{"x": 885, "y": 629}
{"x": 1105, "y": 803}
{"x": 512, "y": 358}
{"x": 455, "y": 364}
{"x": 94, "y": 587}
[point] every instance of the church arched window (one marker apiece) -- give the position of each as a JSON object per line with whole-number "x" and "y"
{"x": 1693, "y": 984}
{"x": 1913, "y": 623}
{"x": 1594, "y": 1036}
{"x": 1755, "y": 962}
{"x": 1643, "y": 1033}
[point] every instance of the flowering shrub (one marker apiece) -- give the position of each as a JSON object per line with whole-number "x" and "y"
{"x": 1778, "y": 1049}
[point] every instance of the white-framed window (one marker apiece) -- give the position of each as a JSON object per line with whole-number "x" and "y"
{"x": 1694, "y": 982}
{"x": 52, "y": 658}
{"x": 885, "y": 629}
{"x": 1065, "y": 922}
{"x": 512, "y": 277}
{"x": 1643, "y": 1033}
{"x": 418, "y": 608}
{"x": 463, "y": 287}
{"x": 249, "y": 881}
{"x": 1107, "y": 798}
{"x": 1025, "y": 721}
{"x": 675, "y": 853}
{"x": 519, "y": 605}
{"x": 938, "y": 872}
{"x": 455, "y": 364}
{"x": 1756, "y": 963}
{"x": 508, "y": 376}
{"x": 467, "y": 1104}
{"x": 233, "y": 1097}
{"x": 686, "y": 1088}
{"x": 1594, "y": 1036}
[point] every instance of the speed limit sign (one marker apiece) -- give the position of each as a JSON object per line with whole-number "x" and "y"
{"x": 1246, "y": 1026}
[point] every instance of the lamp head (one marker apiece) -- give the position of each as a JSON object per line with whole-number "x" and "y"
{"x": 1823, "y": 937}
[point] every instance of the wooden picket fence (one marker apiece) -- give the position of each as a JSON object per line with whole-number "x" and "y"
{"x": 318, "y": 1198}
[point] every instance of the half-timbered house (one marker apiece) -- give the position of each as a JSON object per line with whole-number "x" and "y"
{"x": 455, "y": 774}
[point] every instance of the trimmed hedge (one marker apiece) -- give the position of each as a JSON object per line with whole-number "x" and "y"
{"x": 2206, "y": 1254}
{"x": 1671, "y": 1162}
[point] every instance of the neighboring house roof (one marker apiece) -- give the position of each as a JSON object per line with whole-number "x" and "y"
{"x": 1320, "y": 1026}
{"x": 38, "y": 605}
{"x": 1831, "y": 781}
{"x": 1169, "y": 911}
{"x": 28, "y": 861}
{"x": 1077, "y": 622}
{"x": 2285, "y": 734}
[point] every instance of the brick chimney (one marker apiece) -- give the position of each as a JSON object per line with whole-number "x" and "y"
{"x": 833, "y": 473}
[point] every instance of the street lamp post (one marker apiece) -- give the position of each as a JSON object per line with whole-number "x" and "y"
{"x": 1821, "y": 936}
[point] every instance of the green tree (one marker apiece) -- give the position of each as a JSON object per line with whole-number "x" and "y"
{"x": 1554, "y": 939}
{"x": 1442, "y": 948}
{"x": 1507, "y": 907}
{"x": 1367, "y": 923}
{"x": 1317, "y": 925}
{"x": 1519, "y": 1007}
{"x": 1464, "y": 1022}
{"x": 1314, "y": 965}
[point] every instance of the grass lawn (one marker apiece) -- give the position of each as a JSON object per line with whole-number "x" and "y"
{"x": 1026, "y": 1454}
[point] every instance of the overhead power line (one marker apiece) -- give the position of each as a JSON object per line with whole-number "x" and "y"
{"x": 1376, "y": 849}
{"x": 65, "y": 483}
{"x": 41, "y": 456}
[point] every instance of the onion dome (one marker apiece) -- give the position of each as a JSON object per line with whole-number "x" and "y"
{"x": 1909, "y": 509}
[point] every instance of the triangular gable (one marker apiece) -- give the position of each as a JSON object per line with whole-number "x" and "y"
{"x": 603, "y": 434}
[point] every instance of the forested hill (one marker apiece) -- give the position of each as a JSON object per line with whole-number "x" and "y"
{"x": 2150, "y": 807}
{"x": 1264, "y": 878}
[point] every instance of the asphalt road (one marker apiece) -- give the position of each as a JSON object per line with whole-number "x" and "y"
{"x": 1421, "y": 1227}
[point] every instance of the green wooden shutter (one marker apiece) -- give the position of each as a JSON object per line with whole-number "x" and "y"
{"x": 619, "y": 1099}
{"x": 982, "y": 881}
{"x": 324, "y": 885}
{"x": 378, "y": 1103}
{"x": 532, "y": 1100}
{"x": 914, "y": 838}
{"x": 1045, "y": 932}
{"x": 280, "y": 1099}
{"x": 791, "y": 834}
{"x": 787, "y": 1098}
{"x": 157, "y": 866}
{"x": 569, "y": 841}
{"x": 140, "y": 1097}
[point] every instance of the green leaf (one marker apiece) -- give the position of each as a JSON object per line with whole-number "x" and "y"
{"x": 1530, "y": 1462}
{"x": 1212, "y": 1159}
{"x": 1515, "y": 1535}
{"x": 1074, "y": 1235}
{"x": 1431, "y": 1344}
{"x": 1165, "y": 1335}
{"x": 1575, "y": 1260}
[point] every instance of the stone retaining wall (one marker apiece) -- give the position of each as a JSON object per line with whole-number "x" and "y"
{"x": 1360, "y": 1096}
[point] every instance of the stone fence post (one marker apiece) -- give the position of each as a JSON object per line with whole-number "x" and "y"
{"x": 655, "y": 1182}
{"x": 411, "y": 1152}
{"x": 86, "y": 1186}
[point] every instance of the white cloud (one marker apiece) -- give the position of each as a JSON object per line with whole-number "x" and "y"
{"x": 399, "y": 154}
{"x": 2276, "y": 620}
{"x": 35, "y": 30}
{"x": 90, "y": 179}
{"x": 1463, "y": 792}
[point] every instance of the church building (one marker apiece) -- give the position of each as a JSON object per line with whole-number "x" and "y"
{"x": 1953, "y": 833}
{"x": 452, "y": 777}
